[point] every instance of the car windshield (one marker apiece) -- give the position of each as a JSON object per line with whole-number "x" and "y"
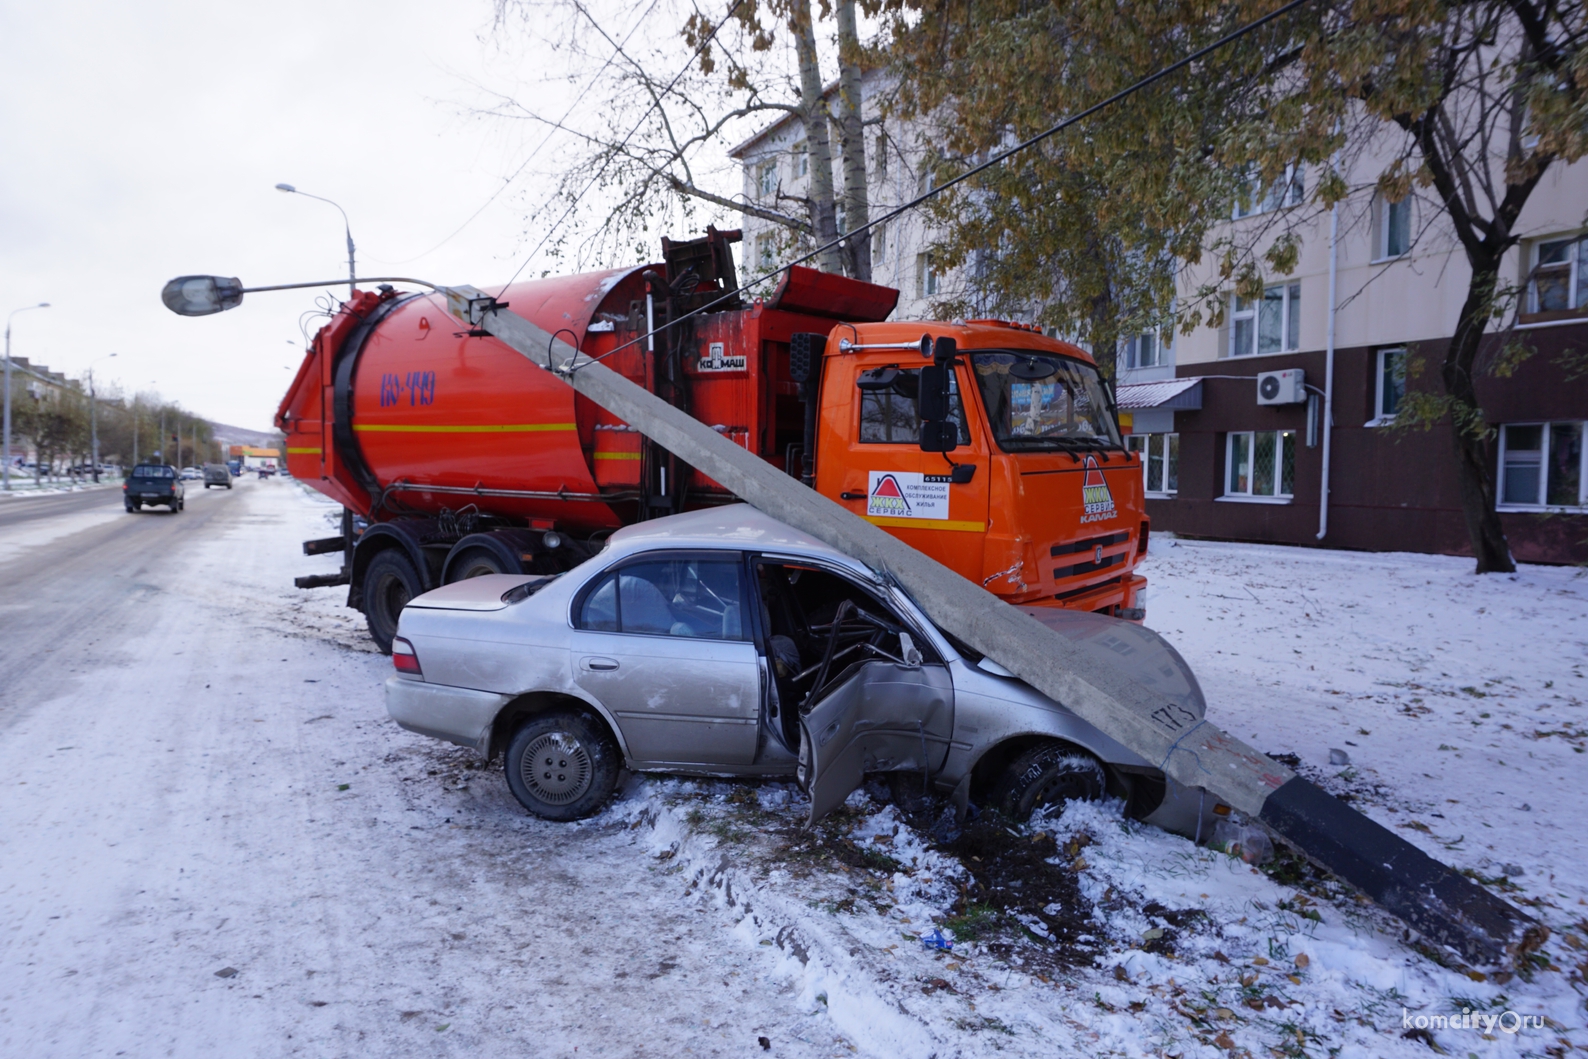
{"x": 153, "y": 472}
{"x": 1044, "y": 401}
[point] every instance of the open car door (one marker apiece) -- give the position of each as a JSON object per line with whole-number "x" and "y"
{"x": 877, "y": 716}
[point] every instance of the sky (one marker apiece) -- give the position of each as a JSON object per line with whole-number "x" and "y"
{"x": 144, "y": 141}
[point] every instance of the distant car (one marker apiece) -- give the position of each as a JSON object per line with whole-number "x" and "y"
{"x": 154, "y": 483}
{"x": 725, "y": 643}
{"x": 192, "y": 474}
{"x": 236, "y": 467}
{"x": 217, "y": 474}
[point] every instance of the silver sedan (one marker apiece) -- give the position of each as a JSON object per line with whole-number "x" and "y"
{"x": 725, "y": 643}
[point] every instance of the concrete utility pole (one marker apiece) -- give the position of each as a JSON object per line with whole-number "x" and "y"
{"x": 93, "y": 415}
{"x": 1119, "y": 701}
{"x": 5, "y": 449}
{"x": 136, "y": 426}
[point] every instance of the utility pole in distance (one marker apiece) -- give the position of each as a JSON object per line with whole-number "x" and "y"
{"x": 5, "y": 449}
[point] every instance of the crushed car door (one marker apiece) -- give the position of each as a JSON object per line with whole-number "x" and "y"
{"x": 877, "y": 716}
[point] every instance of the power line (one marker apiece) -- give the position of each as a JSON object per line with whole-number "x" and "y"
{"x": 579, "y": 98}
{"x": 998, "y": 159}
{"x": 655, "y": 102}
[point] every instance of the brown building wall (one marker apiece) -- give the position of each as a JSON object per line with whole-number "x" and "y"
{"x": 1392, "y": 489}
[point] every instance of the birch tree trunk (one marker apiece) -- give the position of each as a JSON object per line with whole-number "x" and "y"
{"x": 852, "y": 142}
{"x": 819, "y": 152}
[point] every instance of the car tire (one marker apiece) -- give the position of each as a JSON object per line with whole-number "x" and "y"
{"x": 1047, "y": 776}
{"x": 390, "y": 581}
{"x": 130, "y": 507}
{"x": 562, "y": 765}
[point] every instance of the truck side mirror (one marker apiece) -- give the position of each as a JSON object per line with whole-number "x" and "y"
{"x": 940, "y": 437}
{"x": 939, "y": 433}
{"x": 932, "y": 402}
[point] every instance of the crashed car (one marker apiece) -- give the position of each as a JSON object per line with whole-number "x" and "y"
{"x": 725, "y": 643}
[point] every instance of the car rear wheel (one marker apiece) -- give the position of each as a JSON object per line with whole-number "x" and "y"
{"x": 1047, "y": 776}
{"x": 390, "y": 581}
{"x": 562, "y": 765}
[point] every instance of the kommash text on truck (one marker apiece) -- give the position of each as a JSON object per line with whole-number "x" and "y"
{"x": 985, "y": 444}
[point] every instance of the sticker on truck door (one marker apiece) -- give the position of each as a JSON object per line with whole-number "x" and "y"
{"x": 907, "y": 494}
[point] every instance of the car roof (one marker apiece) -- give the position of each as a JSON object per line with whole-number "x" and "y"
{"x": 731, "y": 526}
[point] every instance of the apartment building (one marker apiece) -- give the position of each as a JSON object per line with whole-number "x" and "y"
{"x": 1226, "y": 457}
{"x": 1231, "y": 419}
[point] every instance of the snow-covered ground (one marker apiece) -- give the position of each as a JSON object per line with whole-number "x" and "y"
{"x": 190, "y": 807}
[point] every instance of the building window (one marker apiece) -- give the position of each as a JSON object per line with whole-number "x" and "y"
{"x": 1261, "y": 463}
{"x": 766, "y": 179}
{"x": 802, "y": 159}
{"x": 1394, "y": 227}
{"x": 1560, "y": 276}
{"x": 1143, "y": 351}
{"x": 879, "y": 242}
{"x": 1287, "y": 190}
{"x": 1391, "y": 384}
{"x": 1542, "y": 466}
{"x": 926, "y": 275}
{"x": 766, "y": 251}
{"x": 1271, "y": 324}
{"x": 1160, "y": 461}
{"x": 882, "y": 154}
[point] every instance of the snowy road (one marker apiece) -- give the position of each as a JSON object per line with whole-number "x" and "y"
{"x": 214, "y": 842}
{"x": 199, "y": 776}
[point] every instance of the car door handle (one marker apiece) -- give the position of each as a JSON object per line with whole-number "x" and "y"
{"x": 600, "y": 665}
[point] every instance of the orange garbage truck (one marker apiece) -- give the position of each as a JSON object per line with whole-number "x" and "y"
{"x": 984, "y": 444}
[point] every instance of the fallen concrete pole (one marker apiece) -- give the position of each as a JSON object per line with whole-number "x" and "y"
{"x": 1422, "y": 892}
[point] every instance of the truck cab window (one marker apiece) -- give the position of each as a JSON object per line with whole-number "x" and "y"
{"x": 890, "y": 417}
{"x": 1037, "y": 402}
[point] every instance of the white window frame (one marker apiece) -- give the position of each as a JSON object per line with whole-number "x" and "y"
{"x": 1545, "y": 439}
{"x": 1285, "y": 191}
{"x": 928, "y": 279}
{"x": 801, "y": 165}
{"x": 1144, "y": 444}
{"x": 1381, "y": 247}
{"x": 1576, "y": 282}
{"x": 1290, "y": 312}
{"x": 766, "y": 179}
{"x": 766, "y": 251}
{"x": 1132, "y": 350}
{"x": 1249, "y": 497}
{"x": 1380, "y": 417}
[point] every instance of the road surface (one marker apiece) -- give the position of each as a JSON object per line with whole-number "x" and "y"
{"x": 200, "y": 779}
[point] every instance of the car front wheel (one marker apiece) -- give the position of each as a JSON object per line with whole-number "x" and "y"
{"x": 1047, "y": 776}
{"x": 562, "y": 765}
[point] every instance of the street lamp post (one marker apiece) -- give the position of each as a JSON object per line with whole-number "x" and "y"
{"x": 93, "y": 414}
{"x": 5, "y": 450}
{"x": 347, "y": 227}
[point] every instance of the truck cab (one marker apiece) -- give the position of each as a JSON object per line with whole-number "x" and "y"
{"x": 1034, "y": 497}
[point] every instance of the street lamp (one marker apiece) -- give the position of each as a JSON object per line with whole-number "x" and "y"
{"x": 5, "y": 449}
{"x": 351, "y": 272}
{"x": 93, "y": 414}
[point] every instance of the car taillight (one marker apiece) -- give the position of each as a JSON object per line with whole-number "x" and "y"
{"x": 404, "y": 658}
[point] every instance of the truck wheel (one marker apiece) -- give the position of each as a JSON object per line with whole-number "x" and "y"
{"x": 476, "y": 562}
{"x": 390, "y": 581}
{"x": 1047, "y": 776}
{"x": 562, "y": 765}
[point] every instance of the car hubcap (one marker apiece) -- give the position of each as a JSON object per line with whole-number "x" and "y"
{"x": 557, "y": 768}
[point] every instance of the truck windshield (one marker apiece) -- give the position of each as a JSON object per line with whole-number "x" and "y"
{"x": 1044, "y": 402}
{"x": 153, "y": 472}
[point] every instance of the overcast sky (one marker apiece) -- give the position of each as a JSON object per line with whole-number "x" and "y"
{"x": 143, "y": 141}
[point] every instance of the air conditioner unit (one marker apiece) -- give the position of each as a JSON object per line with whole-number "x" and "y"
{"x": 1282, "y": 387}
